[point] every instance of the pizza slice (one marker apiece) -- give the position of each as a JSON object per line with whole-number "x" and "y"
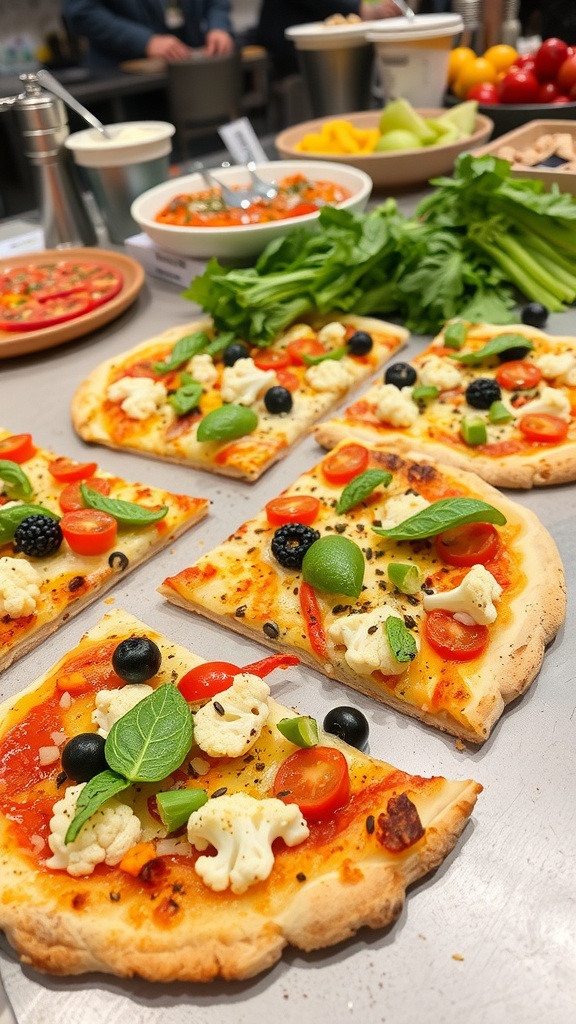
{"x": 68, "y": 531}
{"x": 500, "y": 401}
{"x": 206, "y": 399}
{"x": 411, "y": 581}
{"x": 173, "y": 821}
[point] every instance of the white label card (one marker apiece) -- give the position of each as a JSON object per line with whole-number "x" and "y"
{"x": 242, "y": 142}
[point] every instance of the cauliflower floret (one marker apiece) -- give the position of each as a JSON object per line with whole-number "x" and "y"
{"x": 243, "y": 382}
{"x": 111, "y": 831}
{"x": 394, "y": 405}
{"x": 246, "y": 710}
{"x": 551, "y": 402}
{"x": 328, "y": 375}
{"x": 332, "y": 334}
{"x": 400, "y": 507}
{"x": 438, "y": 373}
{"x": 113, "y": 704}
{"x": 242, "y": 829}
{"x": 203, "y": 370}
{"x": 139, "y": 397}
{"x": 555, "y": 364}
{"x": 367, "y": 647}
{"x": 19, "y": 587}
{"x": 299, "y": 331}
{"x": 474, "y": 597}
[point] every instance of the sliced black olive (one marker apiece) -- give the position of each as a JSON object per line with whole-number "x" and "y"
{"x": 360, "y": 343}
{"x": 83, "y": 756}
{"x": 236, "y": 350}
{"x": 278, "y": 400}
{"x": 401, "y": 375}
{"x": 349, "y": 724}
{"x": 535, "y": 315}
{"x": 136, "y": 659}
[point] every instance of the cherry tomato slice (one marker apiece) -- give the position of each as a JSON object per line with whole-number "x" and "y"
{"x": 293, "y": 508}
{"x": 304, "y": 347}
{"x": 68, "y": 470}
{"x": 206, "y": 680}
{"x": 71, "y": 497}
{"x": 317, "y": 779}
{"x": 302, "y": 209}
{"x": 452, "y": 639}
{"x": 288, "y": 380}
{"x": 33, "y": 315}
{"x": 518, "y": 375}
{"x": 17, "y": 447}
{"x": 89, "y": 531}
{"x": 271, "y": 359}
{"x": 471, "y": 544}
{"x": 345, "y": 463}
{"x": 540, "y": 426}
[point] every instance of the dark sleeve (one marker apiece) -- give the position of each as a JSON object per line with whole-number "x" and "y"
{"x": 218, "y": 15}
{"x": 318, "y": 10}
{"x": 111, "y": 33}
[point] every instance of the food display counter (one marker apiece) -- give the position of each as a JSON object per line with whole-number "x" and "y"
{"x": 490, "y": 935}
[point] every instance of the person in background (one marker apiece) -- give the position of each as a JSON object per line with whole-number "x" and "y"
{"x": 119, "y": 30}
{"x": 278, "y": 15}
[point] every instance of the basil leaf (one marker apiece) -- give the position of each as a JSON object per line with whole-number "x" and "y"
{"x": 16, "y": 483}
{"x": 124, "y": 512}
{"x": 455, "y": 334}
{"x": 95, "y": 793}
{"x": 494, "y": 347}
{"x": 151, "y": 740}
{"x": 335, "y": 353}
{"x": 401, "y": 640}
{"x": 186, "y": 347}
{"x": 226, "y": 423}
{"x": 187, "y": 396}
{"x": 443, "y": 515}
{"x": 11, "y": 518}
{"x": 220, "y": 343}
{"x": 360, "y": 487}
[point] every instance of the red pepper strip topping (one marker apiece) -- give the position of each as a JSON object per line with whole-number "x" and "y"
{"x": 313, "y": 619}
{"x": 263, "y": 667}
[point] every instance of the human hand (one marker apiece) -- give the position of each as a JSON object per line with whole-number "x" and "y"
{"x": 381, "y": 9}
{"x": 218, "y": 43}
{"x": 167, "y": 48}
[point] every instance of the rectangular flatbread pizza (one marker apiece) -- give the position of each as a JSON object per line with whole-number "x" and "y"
{"x": 173, "y": 821}
{"x": 68, "y": 531}
{"x": 414, "y": 582}
{"x": 500, "y": 401}
{"x": 206, "y": 399}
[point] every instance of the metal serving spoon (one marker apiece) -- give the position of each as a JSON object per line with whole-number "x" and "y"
{"x": 406, "y": 11}
{"x": 53, "y": 85}
{"x": 241, "y": 198}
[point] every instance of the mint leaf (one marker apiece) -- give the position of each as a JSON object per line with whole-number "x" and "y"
{"x": 16, "y": 484}
{"x": 401, "y": 640}
{"x": 186, "y": 347}
{"x": 187, "y": 395}
{"x": 151, "y": 740}
{"x": 360, "y": 487}
{"x": 95, "y": 793}
{"x": 495, "y": 347}
{"x": 124, "y": 512}
{"x": 443, "y": 515}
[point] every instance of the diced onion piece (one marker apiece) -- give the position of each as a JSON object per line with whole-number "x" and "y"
{"x": 166, "y": 847}
{"x": 37, "y": 844}
{"x": 58, "y": 737}
{"x": 464, "y": 618}
{"x": 65, "y": 700}
{"x": 48, "y": 755}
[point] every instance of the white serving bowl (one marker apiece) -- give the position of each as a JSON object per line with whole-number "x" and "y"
{"x": 241, "y": 241}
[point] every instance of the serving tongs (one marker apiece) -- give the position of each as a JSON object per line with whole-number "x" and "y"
{"x": 241, "y": 198}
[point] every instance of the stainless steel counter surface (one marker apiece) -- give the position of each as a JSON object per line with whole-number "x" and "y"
{"x": 491, "y": 935}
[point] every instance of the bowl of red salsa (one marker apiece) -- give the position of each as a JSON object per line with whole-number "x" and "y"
{"x": 186, "y": 216}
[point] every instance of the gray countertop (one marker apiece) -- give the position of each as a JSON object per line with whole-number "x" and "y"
{"x": 491, "y": 935}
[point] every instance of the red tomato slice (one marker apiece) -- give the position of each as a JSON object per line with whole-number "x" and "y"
{"x": 288, "y": 380}
{"x": 518, "y": 375}
{"x": 33, "y": 315}
{"x": 540, "y": 426}
{"x": 293, "y": 508}
{"x": 271, "y": 359}
{"x": 454, "y": 640}
{"x": 68, "y": 470}
{"x": 344, "y": 464}
{"x": 301, "y": 210}
{"x": 89, "y": 531}
{"x": 71, "y": 497}
{"x": 317, "y": 779}
{"x": 17, "y": 447}
{"x": 471, "y": 544}
{"x": 206, "y": 680}
{"x": 304, "y": 347}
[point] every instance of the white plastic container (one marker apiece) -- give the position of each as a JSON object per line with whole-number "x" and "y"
{"x": 412, "y": 56}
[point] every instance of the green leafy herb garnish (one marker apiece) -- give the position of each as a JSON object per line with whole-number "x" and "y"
{"x": 401, "y": 640}
{"x": 227, "y": 423}
{"x": 10, "y": 518}
{"x": 360, "y": 487}
{"x": 127, "y": 513}
{"x": 443, "y": 515}
{"x": 16, "y": 484}
{"x": 495, "y": 347}
{"x": 186, "y": 347}
{"x": 187, "y": 396}
{"x": 96, "y": 792}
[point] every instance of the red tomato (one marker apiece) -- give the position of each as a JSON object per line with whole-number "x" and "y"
{"x": 519, "y": 87}
{"x": 471, "y": 544}
{"x": 68, "y": 470}
{"x": 89, "y": 531}
{"x": 547, "y": 92}
{"x": 549, "y": 58}
{"x": 565, "y": 99}
{"x": 271, "y": 359}
{"x": 288, "y": 380}
{"x": 539, "y": 426}
{"x": 206, "y": 680}
{"x": 32, "y": 315}
{"x": 71, "y": 497}
{"x": 566, "y": 76}
{"x": 17, "y": 447}
{"x": 525, "y": 60}
{"x": 304, "y": 347}
{"x": 345, "y": 463}
{"x": 302, "y": 209}
{"x": 293, "y": 508}
{"x": 452, "y": 639}
{"x": 484, "y": 92}
{"x": 317, "y": 779}
{"x": 518, "y": 375}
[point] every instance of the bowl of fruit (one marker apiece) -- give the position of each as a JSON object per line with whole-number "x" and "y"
{"x": 513, "y": 88}
{"x": 399, "y": 146}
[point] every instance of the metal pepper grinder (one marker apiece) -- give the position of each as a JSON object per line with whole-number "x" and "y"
{"x": 43, "y": 123}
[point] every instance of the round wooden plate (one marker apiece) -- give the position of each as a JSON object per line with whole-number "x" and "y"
{"x": 20, "y": 343}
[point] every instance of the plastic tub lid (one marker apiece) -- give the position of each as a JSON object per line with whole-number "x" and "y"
{"x": 132, "y": 142}
{"x": 423, "y": 26}
{"x": 317, "y": 35}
